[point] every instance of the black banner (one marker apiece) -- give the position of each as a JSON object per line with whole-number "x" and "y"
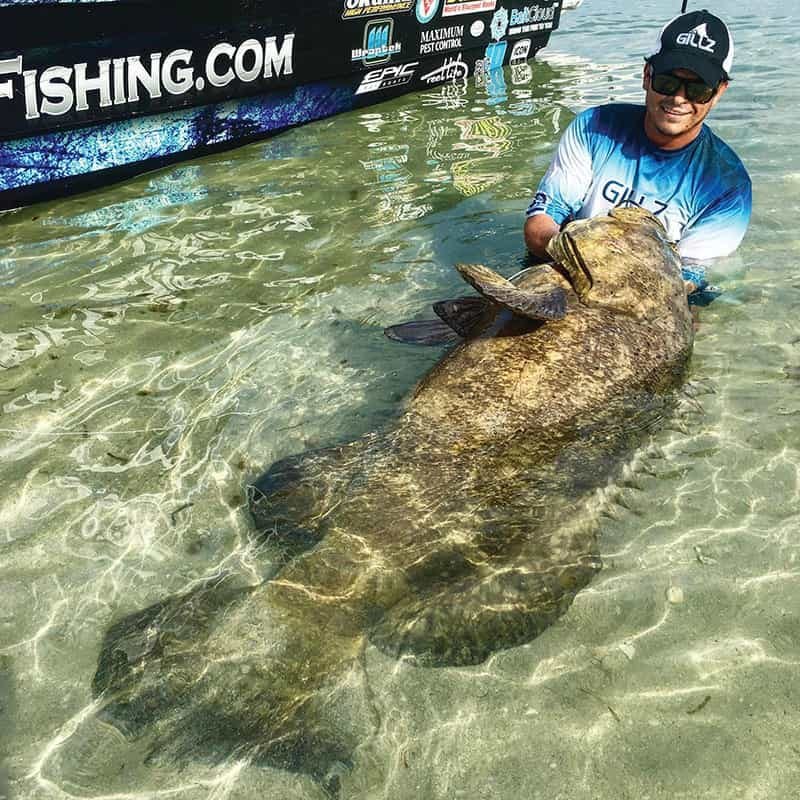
{"x": 65, "y": 65}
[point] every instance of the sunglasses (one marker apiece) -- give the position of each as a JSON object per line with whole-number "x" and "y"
{"x": 694, "y": 91}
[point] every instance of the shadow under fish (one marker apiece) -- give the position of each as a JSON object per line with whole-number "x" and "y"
{"x": 466, "y": 527}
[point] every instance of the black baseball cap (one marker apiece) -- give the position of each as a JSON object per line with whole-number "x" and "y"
{"x": 698, "y": 41}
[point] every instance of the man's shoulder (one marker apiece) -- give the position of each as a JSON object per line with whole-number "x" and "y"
{"x": 613, "y": 117}
{"x": 730, "y": 166}
{"x": 612, "y": 125}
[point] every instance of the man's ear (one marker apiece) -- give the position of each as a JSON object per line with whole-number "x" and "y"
{"x": 646, "y": 76}
{"x": 721, "y": 89}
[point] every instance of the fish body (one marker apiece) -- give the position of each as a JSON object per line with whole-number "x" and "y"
{"x": 463, "y": 528}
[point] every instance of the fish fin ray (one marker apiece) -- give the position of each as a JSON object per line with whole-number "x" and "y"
{"x": 550, "y": 305}
{"x": 288, "y": 500}
{"x": 464, "y": 624}
{"x": 465, "y": 315}
{"x": 543, "y": 305}
{"x": 427, "y": 332}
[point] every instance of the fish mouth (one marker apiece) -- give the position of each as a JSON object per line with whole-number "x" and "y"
{"x": 572, "y": 265}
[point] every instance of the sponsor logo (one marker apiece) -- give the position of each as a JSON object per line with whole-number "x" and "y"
{"x": 59, "y": 90}
{"x": 698, "y": 37}
{"x": 531, "y": 18}
{"x": 499, "y": 24}
{"x": 495, "y": 53}
{"x": 378, "y": 45}
{"x": 387, "y": 77}
{"x": 489, "y": 70}
{"x": 450, "y": 96}
{"x": 520, "y": 51}
{"x": 454, "y": 7}
{"x": 477, "y": 28}
{"x": 539, "y": 202}
{"x": 438, "y": 40}
{"x": 521, "y": 74}
{"x": 355, "y": 9}
{"x": 426, "y": 10}
{"x": 453, "y": 69}
{"x": 621, "y": 195}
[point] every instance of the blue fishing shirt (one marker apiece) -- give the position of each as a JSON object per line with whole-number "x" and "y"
{"x": 701, "y": 192}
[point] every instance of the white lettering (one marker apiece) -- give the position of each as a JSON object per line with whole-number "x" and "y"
{"x": 215, "y": 78}
{"x": 9, "y": 66}
{"x": 54, "y": 85}
{"x": 386, "y": 77}
{"x": 693, "y": 40}
{"x": 58, "y": 89}
{"x": 252, "y": 47}
{"x": 119, "y": 81}
{"x": 31, "y": 104}
{"x": 181, "y": 79}
{"x": 138, "y": 74}
{"x": 438, "y": 34}
{"x": 84, "y": 85}
{"x": 279, "y": 63}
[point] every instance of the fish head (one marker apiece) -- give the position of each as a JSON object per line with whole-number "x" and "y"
{"x": 623, "y": 261}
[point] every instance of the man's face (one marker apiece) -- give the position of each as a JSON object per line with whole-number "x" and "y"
{"x": 674, "y": 117}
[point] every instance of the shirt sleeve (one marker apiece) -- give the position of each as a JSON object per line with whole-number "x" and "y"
{"x": 720, "y": 228}
{"x": 564, "y": 186}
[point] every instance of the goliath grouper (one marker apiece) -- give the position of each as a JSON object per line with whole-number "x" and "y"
{"x": 466, "y": 527}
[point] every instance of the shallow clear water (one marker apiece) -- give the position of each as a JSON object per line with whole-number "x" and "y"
{"x": 163, "y": 341}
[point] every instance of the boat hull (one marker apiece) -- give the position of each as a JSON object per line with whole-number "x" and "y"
{"x": 84, "y": 107}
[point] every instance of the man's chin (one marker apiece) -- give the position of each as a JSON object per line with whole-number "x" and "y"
{"x": 671, "y": 126}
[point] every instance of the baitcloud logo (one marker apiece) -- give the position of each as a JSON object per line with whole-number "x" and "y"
{"x": 698, "y": 37}
{"x": 499, "y": 24}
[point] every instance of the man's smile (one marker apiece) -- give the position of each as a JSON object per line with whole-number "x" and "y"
{"x": 675, "y": 112}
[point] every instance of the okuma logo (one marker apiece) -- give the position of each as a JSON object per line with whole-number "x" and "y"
{"x": 426, "y": 10}
{"x": 698, "y": 37}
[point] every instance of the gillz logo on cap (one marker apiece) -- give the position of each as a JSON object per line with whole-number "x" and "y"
{"x": 698, "y": 37}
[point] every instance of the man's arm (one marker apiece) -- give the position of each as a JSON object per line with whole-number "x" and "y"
{"x": 538, "y": 231}
{"x": 720, "y": 228}
{"x": 563, "y": 187}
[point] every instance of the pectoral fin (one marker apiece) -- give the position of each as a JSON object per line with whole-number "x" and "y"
{"x": 546, "y": 305}
{"x": 465, "y": 623}
{"x": 467, "y": 316}
{"x": 460, "y": 318}
{"x": 427, "y": 332}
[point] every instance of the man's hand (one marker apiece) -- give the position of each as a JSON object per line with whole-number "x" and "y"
{"x": 694, "y": 277}
{"x": 690, "y": 287}
{"x": 538, "y": 231}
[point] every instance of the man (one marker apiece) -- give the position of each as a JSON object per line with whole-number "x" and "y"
{"x": 661, "y": 156}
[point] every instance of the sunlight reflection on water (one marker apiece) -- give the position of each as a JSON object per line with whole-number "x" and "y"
{"x": 163, "y": 341}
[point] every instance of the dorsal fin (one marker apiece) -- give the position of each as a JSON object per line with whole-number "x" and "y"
{"x": 546, "y": 305}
